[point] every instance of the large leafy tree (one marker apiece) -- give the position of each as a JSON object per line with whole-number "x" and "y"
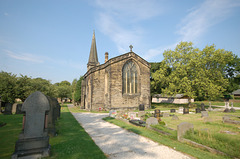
{"x": 196, "y": 73}
{"x": 24, "y": 87}
{"x": 77, "y": 94}
{"x": 7, "y": 87}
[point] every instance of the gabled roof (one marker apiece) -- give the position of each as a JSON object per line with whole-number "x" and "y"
{"x": 236, "y": 92}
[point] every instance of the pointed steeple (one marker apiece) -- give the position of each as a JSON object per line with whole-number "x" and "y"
{"x": 93, "y": 58}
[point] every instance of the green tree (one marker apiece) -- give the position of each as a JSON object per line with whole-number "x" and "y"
{"x": 195, "y": 73}
{"x": 77, "y": 95}
{"x": 7, "y": 87}
{"x": 23, "y": 87}
{"x": 64, "y": 90}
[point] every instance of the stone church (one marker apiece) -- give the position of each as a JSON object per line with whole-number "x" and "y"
{"x": 122, "y": 82}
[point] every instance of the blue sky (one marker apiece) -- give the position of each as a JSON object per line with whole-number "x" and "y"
{"x": 51, "y": 39}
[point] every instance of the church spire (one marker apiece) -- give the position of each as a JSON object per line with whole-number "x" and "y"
{"x": 93, "y": 58}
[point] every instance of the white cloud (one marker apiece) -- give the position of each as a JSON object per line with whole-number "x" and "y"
{"x": 200, "y": 19}
{"x": 119, "y": 20}
{"x": 25, "y": 57}
{"x": 132, "y": 9}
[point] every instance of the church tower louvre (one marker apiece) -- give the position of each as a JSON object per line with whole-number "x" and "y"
{"x": 93, "y": 57}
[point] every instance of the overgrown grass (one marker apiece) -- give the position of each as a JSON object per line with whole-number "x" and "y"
{"x": 72, "y": 140}
{"x": 165, "y": 140}
{"x": 214, "y": 133}
{"x": 9, "y": 134}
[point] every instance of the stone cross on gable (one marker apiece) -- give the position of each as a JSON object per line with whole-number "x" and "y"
{"x": 130, "y": 48}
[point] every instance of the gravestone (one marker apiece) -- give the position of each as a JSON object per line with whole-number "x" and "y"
{"x": 204, "y": 114}
{"x": 14, "y": 107}
{"x": 202, "y": 107}
{"x": 207, "y": 119}
{"x": 112, "y": 113}
{"x": 198, "y": 110}
{"x": 174, "y": 117}
{"x": 151, "y": 121}
{"x": 210, "y": 107}
{"x": 157, "y": 113}
{"x": 19, "y": 109}
{"x": 8, "y": 109}
{"x": 185, "y": 110}
{"x": 52, "y": 117}
{"x": 172, "y": 110}
{"x": 141, "y": 107}
{"x": 182, "y": 128}
{"x": 165, "y": 114}
{"x": 232, "y": 109}
{"x": 225, "y": 118}
{"x": 58, "y": 110}
{"x": 180, "y": 110}
{"x": 33, "y": 142}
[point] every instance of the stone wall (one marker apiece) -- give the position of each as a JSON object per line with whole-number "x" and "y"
{"x": 171, "y": 100}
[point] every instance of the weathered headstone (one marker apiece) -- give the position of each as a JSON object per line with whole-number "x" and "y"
{"x": 157, "y": 113}
{"x": 52, "y": 116}
{"x": 14, "y": 107}
{"x": 172, "y": 110}
{"x": 198, "y": 110}
{"x": 185, "y": 110}
{"x": 210, "y": 107}
{"x": 232, "y": 109}
{"x": 180, "y": 110}
{"x": 225, "y": 118}
{"x": 204, "y": 114}
{"x": 141, "y": 114}
{"x": 141, "y": 107}
{"x": 33, "y": 142}
{"x": 165, "y": 114}
{"x": 182, "y": 128}
{"x": 207, "y": 119}
{"x": 8, "y": 109}
{"x": 174, "y": 117}
{"x": 202, "y": 107}
{"x": 19, "y": 109}
{"x": 151, "y": 121}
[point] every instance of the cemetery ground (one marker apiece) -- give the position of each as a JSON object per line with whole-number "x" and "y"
{"x": 71, "y": 142}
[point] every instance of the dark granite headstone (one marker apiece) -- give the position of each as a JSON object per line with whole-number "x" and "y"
{"x": 172, "y": 110}
{"x": 198, "y": 110}
{"x": 19, "y": 109}
{"x": 141, "y": 107}
{"x": 202, "y": 107}
{"x": 33, "y": 142}
{"x": 8, "y": 109}
{"x": 185, "y": 110}
{"x": 52, "y": 117}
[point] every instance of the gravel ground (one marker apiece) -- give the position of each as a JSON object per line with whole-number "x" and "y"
{"x": 117, "y": 143}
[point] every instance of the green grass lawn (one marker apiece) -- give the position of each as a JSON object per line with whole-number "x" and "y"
{"x": 165, "y": 140}
{"x": 72, "y": 140}
{"x": 236, "y": 103}
{"x": 212, "y": 133}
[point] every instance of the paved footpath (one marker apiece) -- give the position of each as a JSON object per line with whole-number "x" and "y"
{"x": 118, "y": 143}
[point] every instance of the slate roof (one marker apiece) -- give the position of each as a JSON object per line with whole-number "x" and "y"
{"x": 236, "y": 92}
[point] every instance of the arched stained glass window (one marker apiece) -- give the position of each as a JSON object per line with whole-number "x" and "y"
{"x": 129, "y": 78}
